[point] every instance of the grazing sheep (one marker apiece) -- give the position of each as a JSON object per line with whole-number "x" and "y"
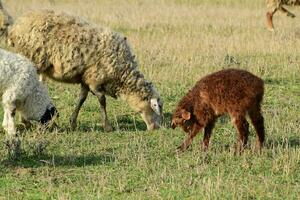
{"x": 232, "y": 91}
{"x": 274, "y": 5}
{"x": 21, "y": 91}
{"x": 70, "y": 50}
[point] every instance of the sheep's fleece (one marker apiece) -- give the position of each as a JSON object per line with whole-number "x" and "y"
{"x": 68, "y": 49}
{"x": 20, "y": 88}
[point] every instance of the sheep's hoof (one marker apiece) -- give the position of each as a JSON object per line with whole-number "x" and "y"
{"x": 291, "y": 15}
{"x": 108, "y": 128}
{"x": 40, "y": 148}
{"x": 73, "y": 125}
{"x": 271, "y": 29}
{"x": 14, "y": 148}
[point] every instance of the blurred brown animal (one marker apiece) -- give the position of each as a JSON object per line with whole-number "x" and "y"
{"x": 233, "y": 91}
{"x": 274, "y": 5}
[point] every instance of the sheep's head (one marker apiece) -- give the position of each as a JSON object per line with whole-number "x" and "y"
{"x": 5, "y": 21}
{"x": 48, "y": 115}
{"x": 152, "y": 113}
{"x": 38, "y": 105}
{"x": 183, "y": 119}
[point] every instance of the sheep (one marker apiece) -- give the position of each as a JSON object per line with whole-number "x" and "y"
{"x": 21, "y": 91}
{"x": 231, "y": 91}
{"x": 274, "y": 5}
{"x": 71, "y": 50}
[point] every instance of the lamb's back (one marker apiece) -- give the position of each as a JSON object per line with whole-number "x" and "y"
{"x": 230, "y": 89}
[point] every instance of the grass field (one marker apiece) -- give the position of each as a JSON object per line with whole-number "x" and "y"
{"x": 177, "y": 42}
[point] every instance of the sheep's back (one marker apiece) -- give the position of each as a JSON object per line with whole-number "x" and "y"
{"x": 65, "y": 47}
{"x": 16, "y": 74}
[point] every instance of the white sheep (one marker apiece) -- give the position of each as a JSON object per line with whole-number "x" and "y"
{"x": 21, "y": 91}
{"x": 71, "y": 50}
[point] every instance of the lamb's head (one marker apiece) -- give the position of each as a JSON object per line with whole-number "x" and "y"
{"x": 183, "y": 119}
{"x": 38, "y": 106}
{"x": 5, "y": 21}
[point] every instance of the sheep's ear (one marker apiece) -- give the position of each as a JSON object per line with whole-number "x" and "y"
{"x": 186, "y": 115}
{"x": 155, "y": 106}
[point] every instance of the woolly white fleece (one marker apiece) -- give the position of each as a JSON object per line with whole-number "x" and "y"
{"x": 21, "y": 90}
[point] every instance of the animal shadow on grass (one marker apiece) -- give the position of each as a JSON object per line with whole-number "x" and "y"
{"x": 120, "y": 123}
{"x": 292, "y": 142}
{"x": 36, "y": 161}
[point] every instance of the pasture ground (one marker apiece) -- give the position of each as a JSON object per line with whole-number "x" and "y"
{"x": 177, "y": 42}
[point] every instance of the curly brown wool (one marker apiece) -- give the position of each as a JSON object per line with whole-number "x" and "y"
{"x": 231, "y": 91}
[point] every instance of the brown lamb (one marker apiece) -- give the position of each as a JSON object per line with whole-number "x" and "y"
{"x": 233, "y": 91}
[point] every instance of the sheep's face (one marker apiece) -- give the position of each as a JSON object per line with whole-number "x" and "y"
{"x": 183, "y": 119}
{"x": 48, "y": 115}
{"x": 152, "y": 113}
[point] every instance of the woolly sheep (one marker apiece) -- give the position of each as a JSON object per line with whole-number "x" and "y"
{"x": 21, "y": 91}
{"x": 70, "y": 50}
{"x": 232, "y": 91}
{"x": 274, "y": 5}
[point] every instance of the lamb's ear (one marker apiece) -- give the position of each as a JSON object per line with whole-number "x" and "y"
{"x": 155, "y": 106}
{"x": 186, "y": 115}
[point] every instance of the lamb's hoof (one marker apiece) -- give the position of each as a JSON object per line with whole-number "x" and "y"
{"x": 180, "y": 149}
{"x": 14, "y": 148}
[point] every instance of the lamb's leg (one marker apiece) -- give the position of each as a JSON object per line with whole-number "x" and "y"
{"x": 102, "y": 100}
{"x": 207, "y": 133}
{"x": 242, "y": 127}
{"x": 258, "y": 122}
{"x": 188, "y": 141}
{"x": 82, "y": 97}
{"x": 12, "y": 141}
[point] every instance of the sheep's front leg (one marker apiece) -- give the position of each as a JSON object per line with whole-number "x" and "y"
{"x": 12, "y": 141}
{"x": 82, "y": 97}
{"x": 286, "y": 12}
{"x": 102, "y": 101}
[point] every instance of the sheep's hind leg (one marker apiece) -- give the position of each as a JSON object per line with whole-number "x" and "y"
{"x": 270, "y": 25}
{"x": 102, "y": 101}
{"x": 82, "y": 97}
{"x": 12, "y": 141}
